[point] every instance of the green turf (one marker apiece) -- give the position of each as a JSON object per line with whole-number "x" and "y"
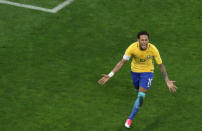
{"x": 41, "y": 3}
{"x": 50, "y": 64}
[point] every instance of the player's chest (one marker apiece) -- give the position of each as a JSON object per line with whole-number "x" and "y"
{"x": 143, "y": 56}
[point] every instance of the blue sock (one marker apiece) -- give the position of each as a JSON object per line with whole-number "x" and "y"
{"x": 137, "y": 105}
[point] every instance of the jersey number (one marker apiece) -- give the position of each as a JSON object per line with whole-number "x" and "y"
{"x": 149, "y": 82}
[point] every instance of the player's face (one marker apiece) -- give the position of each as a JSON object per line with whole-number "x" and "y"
{"x": 143, "y": 40}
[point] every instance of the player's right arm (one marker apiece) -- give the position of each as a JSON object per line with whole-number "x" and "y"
{"x": 118, "y": 66}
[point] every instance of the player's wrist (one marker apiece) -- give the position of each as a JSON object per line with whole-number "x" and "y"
{"x": 167, "y": 80}
{"x": 111, "y": 74}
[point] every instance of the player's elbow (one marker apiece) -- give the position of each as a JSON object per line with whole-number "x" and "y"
{"x": 161, "y": 66}
{"x": 123, "y": 61}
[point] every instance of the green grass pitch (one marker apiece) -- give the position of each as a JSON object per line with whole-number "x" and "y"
{"x": 50, "y": 65}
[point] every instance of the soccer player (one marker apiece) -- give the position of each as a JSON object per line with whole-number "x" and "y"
{"x": 142, "y": 53}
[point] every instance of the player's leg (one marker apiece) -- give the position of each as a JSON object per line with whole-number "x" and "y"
{"x": 141, "y": 97}
{"x": 136, "y": 107}
{"x": 138, "y": 104}
{"x": 145, "y": 82}
{"x": 135, "y": 79}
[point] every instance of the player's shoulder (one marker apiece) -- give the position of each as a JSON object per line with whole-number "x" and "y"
{"x": 152, "y": 46}
{"x": 134, "y": 45}
{"x": 132, "y": 48}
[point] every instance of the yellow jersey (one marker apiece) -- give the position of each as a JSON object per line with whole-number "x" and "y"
{"x": 142, "y": 60}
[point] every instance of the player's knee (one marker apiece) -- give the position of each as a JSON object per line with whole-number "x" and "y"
{"x": 136, "y": 89}
{"x": 141, "y": 96}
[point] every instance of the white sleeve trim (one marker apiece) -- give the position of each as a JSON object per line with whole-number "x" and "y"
{"x": 126, "y": 57}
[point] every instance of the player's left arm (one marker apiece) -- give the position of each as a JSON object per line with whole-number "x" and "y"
{"x": 169, "y": 83}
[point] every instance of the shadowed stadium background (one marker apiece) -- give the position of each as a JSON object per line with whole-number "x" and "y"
{"x": 50, "y": 65}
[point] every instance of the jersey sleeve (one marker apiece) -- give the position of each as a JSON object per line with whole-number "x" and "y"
{"x": 157, "y": 56}
{"x": 128, "y": 53}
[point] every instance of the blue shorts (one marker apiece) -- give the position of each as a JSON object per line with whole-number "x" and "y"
{"x": 142, "y": 79}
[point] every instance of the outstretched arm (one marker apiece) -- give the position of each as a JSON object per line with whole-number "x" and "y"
{"x": 105, "y": 77}
{"x": 169, "y": 83}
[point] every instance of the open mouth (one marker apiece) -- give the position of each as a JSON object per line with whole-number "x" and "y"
{"x": 143, "y": 46}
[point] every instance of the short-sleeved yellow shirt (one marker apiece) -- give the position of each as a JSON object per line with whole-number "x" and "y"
{"x": 142, "y": 60}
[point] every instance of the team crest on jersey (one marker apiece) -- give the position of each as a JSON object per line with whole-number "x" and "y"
{"x": 148, "y": 57}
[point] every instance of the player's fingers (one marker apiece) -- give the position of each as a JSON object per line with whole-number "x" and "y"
{"x": 100, "y": 81}
{"x": 173, "y": 81}
{"x": 170, "y": 89}
{"x": 174, "y": 88}
{"x": 103, "y": 80}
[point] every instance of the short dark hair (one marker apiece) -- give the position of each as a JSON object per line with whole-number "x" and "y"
{"x": 142, "y": 33}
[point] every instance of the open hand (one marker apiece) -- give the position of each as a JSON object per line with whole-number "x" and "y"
{"x": 171, "y": 86}
{"x": 104, "y": 79}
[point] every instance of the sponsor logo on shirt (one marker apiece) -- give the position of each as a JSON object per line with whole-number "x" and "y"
{"x": 148, "y": 57}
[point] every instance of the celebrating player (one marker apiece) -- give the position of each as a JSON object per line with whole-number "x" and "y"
{"x": 142, "y": 53}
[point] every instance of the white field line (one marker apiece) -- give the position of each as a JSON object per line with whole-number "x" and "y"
{"x": 26, "y": 6}
{"x": 54, "y": 10}
{"x": 62, "y": 5}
